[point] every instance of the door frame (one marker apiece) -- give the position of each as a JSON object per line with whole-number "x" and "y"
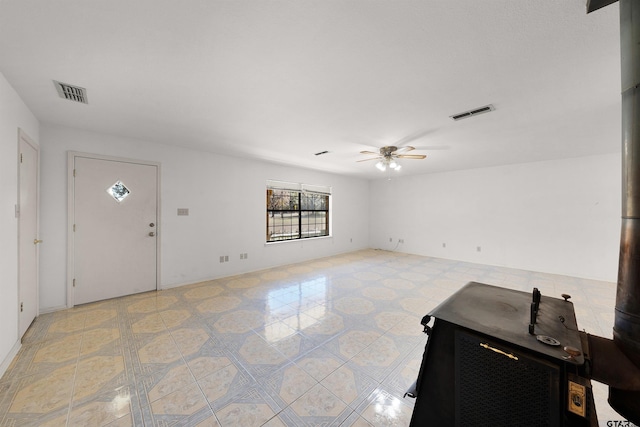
{"x": 71, "y": 157}
{"x": 22, "y": 136}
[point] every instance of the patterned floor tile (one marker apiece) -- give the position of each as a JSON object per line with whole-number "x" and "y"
{"x": 223, "y": 385}
{"x": 379, "y": 358}
{"x": 288, "y": 384}
{"x": 46, "y": 394}
{"x": 383, "y": 409}
{"x": 317, "y": 407}
{"x": 275, "y": 422}
{"x": 252, "y": 407}
{"x": 119, "y": 406}
{"x": 182, "y": 407}
{"x": 319, "y": 363}
{"x": 355, "y": 420}
{"x": 97, "y": 373}
{"x": 163, "y": 382}
{"x": 405, "y": 374}
{"x": 259, "y": 357}
{"x": 244, "y": 414}
{"x": 333, "y": 341}
{"x": 350, "y": 384}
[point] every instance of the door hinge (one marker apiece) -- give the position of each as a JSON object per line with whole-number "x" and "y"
{"x": 74, "y": 283}
{"x": 74, "y": 228}
{"x": 74, "y": 173}
{"x": 21, "y": 307}
{"x": 17, "y": 211}
{"x": 20, "y": 157}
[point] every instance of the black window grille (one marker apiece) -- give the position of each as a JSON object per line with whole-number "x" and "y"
{"x": 293, "y": 214}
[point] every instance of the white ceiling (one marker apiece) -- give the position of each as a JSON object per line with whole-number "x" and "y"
{"x": 281, "y": 80}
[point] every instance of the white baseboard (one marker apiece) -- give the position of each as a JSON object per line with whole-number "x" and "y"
{"x": 7, "y": 360}
{"x": 52, "y": 309}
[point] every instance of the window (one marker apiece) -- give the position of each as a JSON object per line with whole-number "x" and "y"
{"x": 296, "y": 211}
{"x": 118, "y": 191}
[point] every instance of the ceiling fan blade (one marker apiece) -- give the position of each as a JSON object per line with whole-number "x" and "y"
{"x": 366, "y": 160}
{"x": 433, "y": 147}
{"x": 404, "y": 149}
{"x": 369, "y": 152}
{"x": 411, "y": 156}
{"x": 417, "y": 135}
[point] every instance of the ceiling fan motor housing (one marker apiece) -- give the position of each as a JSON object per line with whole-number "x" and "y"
{"x": 388, "y": 151}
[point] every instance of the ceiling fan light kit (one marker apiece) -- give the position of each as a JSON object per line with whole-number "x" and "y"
{"x": 384, "y": 163}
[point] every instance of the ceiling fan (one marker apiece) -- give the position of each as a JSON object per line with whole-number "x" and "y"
{"x": 388, "y": 155}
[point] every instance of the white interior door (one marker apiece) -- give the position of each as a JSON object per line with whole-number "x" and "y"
{"x": 27, "y": 233}
{"x": 115, "y": 237}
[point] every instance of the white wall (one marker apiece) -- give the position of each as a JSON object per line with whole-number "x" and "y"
{"x": 226, "y": 201}
{"x": 14, "y": 114}
{"x": 559, "y": 217}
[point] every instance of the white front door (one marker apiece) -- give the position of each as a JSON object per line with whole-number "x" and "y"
{"x": 27, "y": 232}
{"x": 116, "y": 227}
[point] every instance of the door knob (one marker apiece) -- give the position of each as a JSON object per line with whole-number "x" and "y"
{"x": 152, "y": 225}
{"x": 151, "y": 233}
{"x": 36, "y": 241}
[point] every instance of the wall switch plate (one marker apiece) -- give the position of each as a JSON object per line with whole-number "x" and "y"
{"x": 226, "y": 258}
{"x": 221, "y": 258}
{"x": 183, "y": 212}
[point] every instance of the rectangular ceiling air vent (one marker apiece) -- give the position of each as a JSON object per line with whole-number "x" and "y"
{"x": 475, "y": 112}
{"x": 70, "y": 92}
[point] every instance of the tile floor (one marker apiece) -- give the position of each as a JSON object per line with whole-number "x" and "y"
{"x": 330, "y": 342}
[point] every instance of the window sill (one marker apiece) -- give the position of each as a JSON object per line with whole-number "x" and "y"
{"x": 298, "y": 240}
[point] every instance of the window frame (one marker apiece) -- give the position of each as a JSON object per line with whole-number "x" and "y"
{"x": 296, "y": 211}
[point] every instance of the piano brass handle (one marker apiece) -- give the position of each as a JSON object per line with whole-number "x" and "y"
{"x": 36, "y": 241}
{"x": 488, "y": 347}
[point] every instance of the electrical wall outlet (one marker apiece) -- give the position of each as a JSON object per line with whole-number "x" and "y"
{"x": 401, "y": 240}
